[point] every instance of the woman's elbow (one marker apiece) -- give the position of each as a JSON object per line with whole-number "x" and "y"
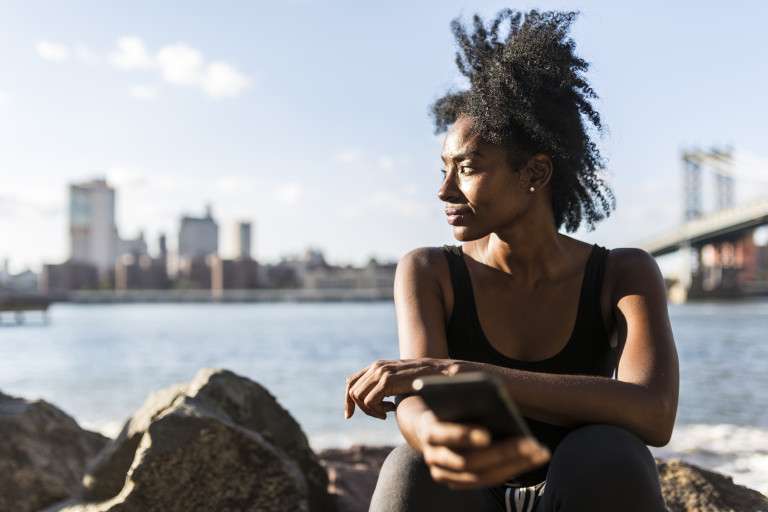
{"x": 662, "y": 417}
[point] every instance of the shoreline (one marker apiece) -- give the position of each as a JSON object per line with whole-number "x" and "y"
{"x": 181, "y": 296}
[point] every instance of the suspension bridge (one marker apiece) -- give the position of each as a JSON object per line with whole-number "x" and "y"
{"x": 725, "y": 250}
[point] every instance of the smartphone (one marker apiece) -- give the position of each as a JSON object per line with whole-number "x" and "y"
{"x": 473, "y": 397}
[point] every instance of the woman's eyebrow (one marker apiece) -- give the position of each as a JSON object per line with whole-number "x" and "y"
{"x": 458, "y": 157}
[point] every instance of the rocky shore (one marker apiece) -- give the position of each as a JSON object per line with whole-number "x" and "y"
{"x": 223, "y": 443}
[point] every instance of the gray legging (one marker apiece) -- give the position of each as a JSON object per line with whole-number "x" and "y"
{"x": 594, "y": 468}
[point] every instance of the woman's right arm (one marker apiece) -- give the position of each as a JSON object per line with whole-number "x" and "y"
{"x": 419, "y": 306}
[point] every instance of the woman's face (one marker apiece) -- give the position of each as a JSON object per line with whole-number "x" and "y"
{"x": 481, "y": 191}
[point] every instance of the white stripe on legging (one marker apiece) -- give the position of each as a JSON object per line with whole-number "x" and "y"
{"x": 519, "y": 499}
{"x": 531, "y": 498}
{"x": 507, "y": 507}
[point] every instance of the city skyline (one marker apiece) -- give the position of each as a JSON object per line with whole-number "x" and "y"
{"x": 327, "y": 142}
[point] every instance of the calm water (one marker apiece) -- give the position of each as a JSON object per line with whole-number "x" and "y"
{"x": 98, "y": 363}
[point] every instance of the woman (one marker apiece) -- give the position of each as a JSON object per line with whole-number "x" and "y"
{"x": 579, "y": 334}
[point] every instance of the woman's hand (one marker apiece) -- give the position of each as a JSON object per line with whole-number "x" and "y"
{"x": 462, "y": 456}
{"x": 368, "y": 387}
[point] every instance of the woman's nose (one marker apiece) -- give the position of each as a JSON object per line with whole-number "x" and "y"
{"x": 447, "y": 190}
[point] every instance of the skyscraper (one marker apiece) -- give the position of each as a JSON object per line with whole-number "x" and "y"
{"x": 92, "y": 230}
{"x": 198, "y": 236}
{"x": 244, "y": 240}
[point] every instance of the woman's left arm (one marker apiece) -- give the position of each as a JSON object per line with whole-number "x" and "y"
{"x": 643, "y": 398}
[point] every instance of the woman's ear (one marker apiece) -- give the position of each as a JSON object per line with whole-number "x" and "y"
{"x": 538, "y": 171}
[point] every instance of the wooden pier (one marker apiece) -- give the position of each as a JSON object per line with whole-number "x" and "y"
{"x": 19, "y": 305}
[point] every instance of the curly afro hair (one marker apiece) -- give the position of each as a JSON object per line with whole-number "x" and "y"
{"x": 528, "y": 93}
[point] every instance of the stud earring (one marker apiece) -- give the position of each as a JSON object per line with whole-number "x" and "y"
{"x": 531, "y": 189}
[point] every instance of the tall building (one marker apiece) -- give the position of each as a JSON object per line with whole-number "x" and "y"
{"x": 92, "y": 230}
{"x": 132, "y": 246}
{"x": 244, "y": 240}
{"x": 198, "y": 236}
{"x": 162, "y": 247}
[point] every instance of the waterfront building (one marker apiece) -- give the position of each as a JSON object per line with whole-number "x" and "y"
{"x": 92, "y": 230}
{"x": 60, "y": 278}
{"x": 198, "y": 236}
{"x": 133, "y": 246}
{"x": 373, "y": 276}
{"x": 244, "y": 240}
{"x": 140, "y": 272}
{"x": 237, "y": 274}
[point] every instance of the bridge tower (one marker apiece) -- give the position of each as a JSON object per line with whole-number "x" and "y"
{"x": 691, "y": 186}
{"x": 720, "y": 163}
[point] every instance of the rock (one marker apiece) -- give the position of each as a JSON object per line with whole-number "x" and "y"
{"x": 221, "y": 442}
{"x": 689, "y": 488}
{"x": 353, "y": 473}
{"x": 43, "y": 454}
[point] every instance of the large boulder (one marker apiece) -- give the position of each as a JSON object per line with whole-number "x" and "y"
{"x": 221, "y": 442}
{"x": 43, "y": 454}
{"x": 689, "y": 488}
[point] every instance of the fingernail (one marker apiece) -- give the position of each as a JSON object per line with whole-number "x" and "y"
{"x": 541, "y": 455}
{"x": 479, "y": 437}
{"x": 529, "y": 446}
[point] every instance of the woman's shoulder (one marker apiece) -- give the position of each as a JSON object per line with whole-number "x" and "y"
{"x": 626, "y": 267}
{"x": 427, "y": 261}
{"x": 427, "y": 267}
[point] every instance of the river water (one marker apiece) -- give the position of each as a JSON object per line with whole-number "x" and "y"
{"x": 99, "y": 362}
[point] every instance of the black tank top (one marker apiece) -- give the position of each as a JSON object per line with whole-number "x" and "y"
{"x": 588, "y": 350}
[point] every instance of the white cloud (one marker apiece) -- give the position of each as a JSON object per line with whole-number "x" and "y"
{"x": 222, "y": 80}
{"x": 144, "y": 92}
{"x": 180, "y": 64}
{"x": 131, "y": 54}
{"x": 290, "y": 193}
{"x": 54, "y": 52}
{"x": 5, "y": 98}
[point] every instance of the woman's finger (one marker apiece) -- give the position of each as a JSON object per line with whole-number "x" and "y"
{"x": 358, "y": 393}
{"x": 374, "y": 400}
{"x": 481, "y": 459}
{"x": 379, "y": 381}
{"x": 457, "y": 435}
{"x": 444, "y": 457}
{"x": 492, "y": 476}
{"x": 502, "y": 452}
{"x": 349, "y": 403}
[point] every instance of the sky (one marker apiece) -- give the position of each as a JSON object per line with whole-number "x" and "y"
{"x": 310, "y": 119}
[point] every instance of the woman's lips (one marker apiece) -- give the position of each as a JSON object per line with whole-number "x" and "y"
{"x": 457, "y": 216}
{"x": 455, "y": 220}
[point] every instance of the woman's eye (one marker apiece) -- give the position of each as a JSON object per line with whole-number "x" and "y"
{"x": 465, "y": 170}
{"x": 443, "y": 172}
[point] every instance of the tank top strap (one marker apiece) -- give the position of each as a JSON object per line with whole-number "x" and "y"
{"x": 459, "y": 280}
{"x": 594, "y": 285}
